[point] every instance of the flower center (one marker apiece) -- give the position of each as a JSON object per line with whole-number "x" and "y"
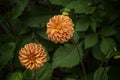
{"x": 32, "y": 58}
{"x": 58, "y": 26}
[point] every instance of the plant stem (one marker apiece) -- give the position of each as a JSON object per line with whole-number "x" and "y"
{"x": 82, "y": 64}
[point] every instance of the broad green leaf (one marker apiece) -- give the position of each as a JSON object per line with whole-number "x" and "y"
{"x": 101, "y": 74}
{"x": 107, "y": 44}
{"x": 80, "y": 6}
{"x": 108, "y": 31}
{"x": 45, "y": 72}
{"x": 15, "y": 76}
{"x": 96, "y": 52}
{"x": 82, "y": 24}
{"x": 6, "y": 53}
{"x": 66, "y": 56}
{"x": 18, "y": 9}
{"x": 90, "y": 40}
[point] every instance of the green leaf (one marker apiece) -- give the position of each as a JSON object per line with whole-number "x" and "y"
{"x": 70, "y": 79}
{"x": 60, "y": 2}
{"x": 107, "y": 44}
{"x": 28, "y": 74}
{"x": 96, "y": 52}
{"x": 90, "y": 40}
{"x": 45, "y": 73}
{"x": 15, "y": 76}
{"x": 82, "y": 24}
{"x": 18, "y": 9}
{"x": 66, "y": 56}
{"x": 6, "y": 53}
{"x": 108, "y": 31}
{"x": 101, "y": 74}
{"x": 80, "y": 6}
{"x": 93, "y": 25}
{"x": 42, "y": 33}
{"x": 76, "y": 36}
{"x": 37, "y": 21}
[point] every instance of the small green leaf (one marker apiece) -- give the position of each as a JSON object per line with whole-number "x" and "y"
{"x": 15, "y": 76}
{"x": 90, "y": 40}
{"x": 107, "y": 44}
{"x": 66, "y": 56}
{"x": 82, "y": 24}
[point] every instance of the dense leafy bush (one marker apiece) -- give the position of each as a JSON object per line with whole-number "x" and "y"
{"x": 92, "y": 53}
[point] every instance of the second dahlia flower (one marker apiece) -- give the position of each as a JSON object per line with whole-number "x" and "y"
{"x": 60, "y": 28}
{"x": 32, "y": 56}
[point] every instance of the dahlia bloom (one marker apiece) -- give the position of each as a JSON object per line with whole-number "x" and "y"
{"x": 32, "y": 56}
{"x": 60, "y": 28}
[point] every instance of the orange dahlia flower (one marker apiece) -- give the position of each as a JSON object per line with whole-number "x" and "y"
{"x": 32, "y": 56}
{"x": 60, "y": 28}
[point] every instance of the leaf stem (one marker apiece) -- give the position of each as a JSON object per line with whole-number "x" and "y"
{"x": 82, "y": 64}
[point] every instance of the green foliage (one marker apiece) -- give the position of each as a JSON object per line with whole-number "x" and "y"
{"x": 91, "y": 40}
{"x": 6, "y": 52}
{"x": 18, "y": 9}
{"x": 15, "y": 76}
{"x": 95, "y": 44}
{"x": 81, "y": 6}
{"x": 101, "y": 74}
{"x": 82, "y": 24}
{"x": 66, "y": 56}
